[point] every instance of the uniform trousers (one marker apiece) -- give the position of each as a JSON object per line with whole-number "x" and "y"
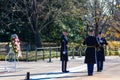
{"x": 90, "y": 68}
{"x": 99, "y": 65}
{"x": 64, "y": 65}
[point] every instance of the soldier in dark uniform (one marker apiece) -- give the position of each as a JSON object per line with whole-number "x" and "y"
{"x": 100, "y": 54}
{"x": 64, "y": 51}
{"x": 90, "y": 56}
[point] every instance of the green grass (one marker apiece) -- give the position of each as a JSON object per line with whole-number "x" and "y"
{"x": 31, "y": 55}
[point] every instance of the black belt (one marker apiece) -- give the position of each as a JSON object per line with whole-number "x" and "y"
{"x": 90, "y": 46}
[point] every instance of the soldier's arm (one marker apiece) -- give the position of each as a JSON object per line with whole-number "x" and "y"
{"x": 105, "y": 42}
{"x": 84, "y": 43}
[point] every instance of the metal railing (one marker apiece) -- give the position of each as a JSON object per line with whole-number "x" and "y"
{"x": 72, "y": 51}
{"x": 49, "y": 52}
{"x": 43, "y": 54}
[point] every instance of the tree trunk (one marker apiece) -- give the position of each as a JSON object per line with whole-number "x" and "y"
{"x": 96, "y": 29}
{"x": 37, "y": 39}
{"x": 35, "y": 24}
{"x": 96, "y": 21}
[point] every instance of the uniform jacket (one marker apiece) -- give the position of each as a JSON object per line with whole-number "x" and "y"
{"x": 90, "y": 53}
{"x": 64, "y": 48}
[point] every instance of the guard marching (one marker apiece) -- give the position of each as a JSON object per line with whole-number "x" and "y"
{"x": 90, "y": 53}
{"x": 100, "y": 54}
{"x": 64, "y": 51}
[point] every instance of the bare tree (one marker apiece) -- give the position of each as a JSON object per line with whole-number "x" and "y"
{"x": 115, "y": 15}
{"x": 34, "y": 14}
{"x": 98, "y": 14}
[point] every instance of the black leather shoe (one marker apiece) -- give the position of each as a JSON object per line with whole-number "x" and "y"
{"x": 65, "y": 71}
{"x": 90, "y": 74}
{"x": 99, "y": 70}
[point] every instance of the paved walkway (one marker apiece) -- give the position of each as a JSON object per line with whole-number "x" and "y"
{"x": 42, "y": 70}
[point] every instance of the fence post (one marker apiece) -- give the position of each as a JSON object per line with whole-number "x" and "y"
{"x": 36, "y": 54}
{"x": 80, "y": 51}
{"x": 50, "y": 57}
{"x": 43, "y": 54}
{"x": 27, "y": 54}
{"x": 72, "y": 53}
{"x": 57, "y": 52}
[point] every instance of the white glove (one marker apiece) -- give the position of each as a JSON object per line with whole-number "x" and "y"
{"x": 101, "y": 41}
{"x": 64, "y": 52}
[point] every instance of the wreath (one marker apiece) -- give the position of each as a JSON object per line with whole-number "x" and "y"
{"x": 14, "y": 40}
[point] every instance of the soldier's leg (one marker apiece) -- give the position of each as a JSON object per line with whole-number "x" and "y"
{"x": 98, "y": 66}
{"x": 90, "y": 69}
{"x": 63, "y": 66}
{"x": 101, "y": 68}
{"x": 66, "y": 66}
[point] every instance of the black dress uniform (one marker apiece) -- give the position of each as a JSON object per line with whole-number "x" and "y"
{"x": 100, "y": 53}
{"x": 64, "y": 53}
{"x": 90, "y": 56}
